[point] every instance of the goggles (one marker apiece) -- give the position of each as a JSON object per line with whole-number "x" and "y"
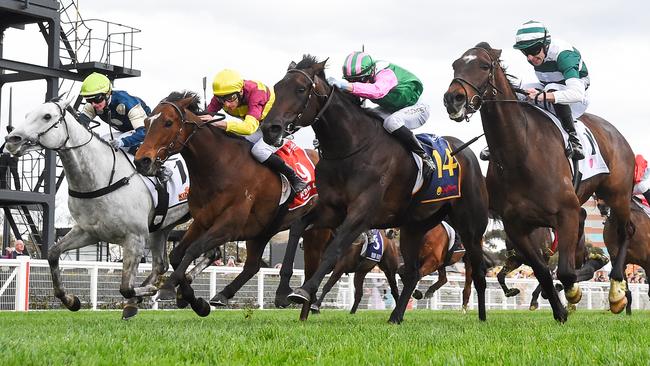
{"x": 533, "y": 50}
{"x": 227, "y": 98}
{"x": 96, "y": 99}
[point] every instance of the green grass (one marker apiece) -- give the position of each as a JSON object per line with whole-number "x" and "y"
{"x": 333, "y": 338}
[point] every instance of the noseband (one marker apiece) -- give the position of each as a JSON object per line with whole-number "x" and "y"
{"x": 293, "y": 126}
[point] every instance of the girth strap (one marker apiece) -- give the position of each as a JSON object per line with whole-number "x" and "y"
{"x": 100, "y": 192}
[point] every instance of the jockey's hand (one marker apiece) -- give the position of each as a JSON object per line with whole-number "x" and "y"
{"x": 205, "y": 117}
{"x": 116, "y": 143}
{"x": 341, "y": 84}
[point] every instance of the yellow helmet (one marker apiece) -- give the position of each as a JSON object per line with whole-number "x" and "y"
{"x": 94, "y": 84}
{"x": 226, "y": 82}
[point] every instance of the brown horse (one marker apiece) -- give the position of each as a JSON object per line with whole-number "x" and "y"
{"x": 232, "y": 197}
{"x": 435, "y": 257}
{"x": 639, "y": 250}
{"x": 365, "y": 180}
{"x": 529, "y": 177}
{"x": 353, "y": 261}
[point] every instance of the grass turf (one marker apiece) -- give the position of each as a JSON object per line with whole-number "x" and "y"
{"x": 331, "y": 338}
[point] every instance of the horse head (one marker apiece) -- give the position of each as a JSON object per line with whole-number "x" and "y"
{"x": 40, "y": 129}
{"x": 169, "y": 127}
{"x": 299, "y": 101}
{"x": 474, "y": 74}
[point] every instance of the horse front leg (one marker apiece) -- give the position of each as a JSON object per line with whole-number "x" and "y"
{"x": 286, "y": 271}
{"x": 618, "y": 283}
{"x": 254, "y": 251}
{"x": 334, "y": 278}
{"x": 133, "y": 249}
{"x": 157, "y": 242}
{"x": 521, "y": 239}
{"x": 467, "y": 288}
{"x": 390, "y": 271}
{"x": 168, "y": 290}
{"x": 512, "y": 263}
{"x": 359, "y": 277}
{"x": 411, "y": 240}
{"x": 567, "y": 242}
{"x": 75, "y": 239}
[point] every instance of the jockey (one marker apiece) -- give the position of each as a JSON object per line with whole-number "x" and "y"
{"x": 395, "y": 90}
{"x": 120, "y": 110}
{"x": 250, "y": 101}
{"x": 563, "y": 77}
{"x": 641, "y": 178}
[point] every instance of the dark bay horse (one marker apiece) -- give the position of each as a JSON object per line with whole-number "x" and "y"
{"x": 638, "y": 251}
{"x": 232, "y": 197}
{"x": 353, "y": 262}
{"x": 529, "y": 177}
{"x": 365, "y": 180}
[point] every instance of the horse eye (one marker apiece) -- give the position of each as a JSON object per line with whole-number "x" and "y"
{"x": 485, "y": 67}
{"x": 168, "y": 123}
{"x": 47, "y": 117}
{"x": 301, "y": 90}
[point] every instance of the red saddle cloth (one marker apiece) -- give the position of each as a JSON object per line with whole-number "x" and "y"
{"x": 296, "y": 158}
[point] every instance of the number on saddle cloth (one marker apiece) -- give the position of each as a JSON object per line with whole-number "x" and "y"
{"x": 446, "y": 180}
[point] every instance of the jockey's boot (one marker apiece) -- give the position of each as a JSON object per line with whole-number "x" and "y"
{"x": 408, "y": 139}
{"x": 163, "y": 174}
{"x": 485, "y": 154}
{"x": 276, "y": 164}
{"x": 563, "y": 112}
{"x": 646, "y": 194}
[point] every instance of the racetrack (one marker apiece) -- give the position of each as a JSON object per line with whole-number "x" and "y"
{"x": 332, "y": 338}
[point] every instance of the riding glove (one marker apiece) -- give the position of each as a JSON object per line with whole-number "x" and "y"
{"x": 341, "y": 84}
{"x": 116, "y": 143}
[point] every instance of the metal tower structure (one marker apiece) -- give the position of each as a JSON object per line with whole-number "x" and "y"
{"x": 75, "y": 48}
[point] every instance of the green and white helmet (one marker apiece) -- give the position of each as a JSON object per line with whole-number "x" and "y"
{"x": 358, "y": 65}
{"x": 531, "y": 33}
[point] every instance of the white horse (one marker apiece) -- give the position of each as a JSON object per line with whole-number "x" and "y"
{"x": 120, "y": 216}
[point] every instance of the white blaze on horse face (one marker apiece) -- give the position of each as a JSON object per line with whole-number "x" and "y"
{"x": 469, "y": 58}
{"x": 153, "y": 118}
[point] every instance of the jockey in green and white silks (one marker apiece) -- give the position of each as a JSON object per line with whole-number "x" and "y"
{"x": 562, "y": 73}
{"x": 395, "y": 90}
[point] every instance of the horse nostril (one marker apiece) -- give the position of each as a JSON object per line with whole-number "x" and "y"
{"x": 143, "y": 163}
{"x": 13, "y": 139}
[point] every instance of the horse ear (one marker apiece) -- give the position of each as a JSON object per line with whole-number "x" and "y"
{"x": 67, "y": 100}
{"x": 292, "y": 65}
{"x": 497, "y": 52}
{"x": 185, "y": 102}
{"x": 320, "y": 67}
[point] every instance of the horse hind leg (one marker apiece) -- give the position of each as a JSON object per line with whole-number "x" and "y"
{"x": 75, "y": 239}
{"x": 334, "y": 278}
{"x": 359, "y": 277}
{"x": 442, "y": 280}
{"x": 512, "y": 263}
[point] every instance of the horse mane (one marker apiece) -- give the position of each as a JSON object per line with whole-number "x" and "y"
{"x": 178, "y": 95}
{"x": 309, "y": 61}
{"x": 512, "y": 79}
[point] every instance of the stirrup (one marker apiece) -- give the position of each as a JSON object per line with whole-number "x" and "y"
{"x": 298, "y": 185}
{"x": 485, "y": 154}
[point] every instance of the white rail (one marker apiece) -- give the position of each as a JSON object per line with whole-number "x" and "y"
{"x": 25, "y": 284}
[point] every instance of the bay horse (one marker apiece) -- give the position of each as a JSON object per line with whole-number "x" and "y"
{"x": 353, "y": 262}
{"x": 111, "y": 204}
{"x": 529, "y": 177}
{"x": 365, "y": 180}
{"x": 232, "y": 197}
{"x": 638, "y": 251}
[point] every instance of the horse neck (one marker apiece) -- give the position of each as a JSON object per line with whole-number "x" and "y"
{"x": 88, "y": 167}
{"x": 504, "y": 121}
{"x": 212, "y": 157}
{"x": 344, "y": 127}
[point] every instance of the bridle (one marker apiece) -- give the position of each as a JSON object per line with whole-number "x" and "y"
{"x": 60, "y": 121}
{"x": 294, "y": 126}
{"x": 184, "y": 121}
{"x": 474, "y": 104}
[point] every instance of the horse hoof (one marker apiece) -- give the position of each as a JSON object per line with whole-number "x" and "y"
{"x": 73, "y": 305}
{"x": 314, "y": 309}
{"x": 166, "y": 294}
{"x": 574, "y": 294}
{"x": 464, "y": 309}
{"x": 617, "y": 307}
{"x": 299, "y": 296}
{"x": 219, "y": 300}
{"x": 533, "y": 307}
{"x": 561, "y": 316}
{"x": 129, "y": 311}
{"x": 417, "y": 294}
{"x": 201, "y": 307}
{"x": 512, "y": 292}
{"x": 281, "y": 301}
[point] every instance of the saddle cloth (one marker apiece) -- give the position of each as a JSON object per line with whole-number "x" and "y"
{"x": 178, "y": 186}
{"x": 593, "y": 163}
{"x": 294, "y": 156}
{"x": 373, "y": 248}
{"x": 446, "y": 181}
